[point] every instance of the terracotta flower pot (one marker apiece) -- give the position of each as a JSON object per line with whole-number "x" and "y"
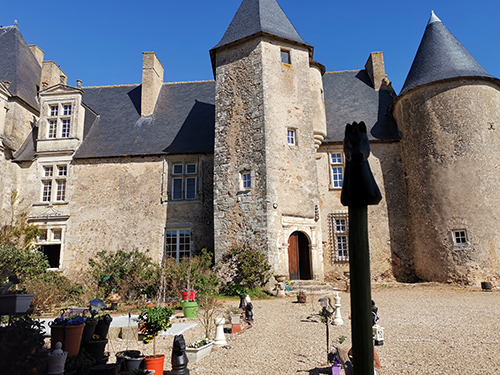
{"x": 69, "y": 336}
{"x": 154, "y": 362}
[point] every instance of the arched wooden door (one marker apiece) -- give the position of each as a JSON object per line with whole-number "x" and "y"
{"x": 299, "y": 264}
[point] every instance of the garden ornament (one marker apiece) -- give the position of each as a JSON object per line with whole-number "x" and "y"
{"x": 97, "y": 304}
{"x": 249, "y": 313}
{"x": 179, "y": 357}
{"x": 220, "y": 338}
{"x": 242, "y": 301}
{"x": 358, "y": 191}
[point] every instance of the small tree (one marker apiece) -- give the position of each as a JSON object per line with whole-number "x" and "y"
{"x": 209, "y": 308}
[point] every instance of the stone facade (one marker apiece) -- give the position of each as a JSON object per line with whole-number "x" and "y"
{"x": 255, "y": 158}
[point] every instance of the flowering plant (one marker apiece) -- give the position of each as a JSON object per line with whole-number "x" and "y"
{"x": 69, "y": 319}
{"x": 334, "y": 359}
{"x": 152, "y": 321}
{"x": 199, "y": 343}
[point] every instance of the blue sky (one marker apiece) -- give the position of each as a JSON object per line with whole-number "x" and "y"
{"x": 101, "y": 42}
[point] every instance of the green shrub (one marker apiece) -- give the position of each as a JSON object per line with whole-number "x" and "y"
{"x": 130, "y": 274}
{"x": 26, "y": 263}
{"x": 244, "y": 266}
{"x": 235, "y": 290}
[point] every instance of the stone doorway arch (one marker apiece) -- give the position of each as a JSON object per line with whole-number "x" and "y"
{"x": 299, "y": 258}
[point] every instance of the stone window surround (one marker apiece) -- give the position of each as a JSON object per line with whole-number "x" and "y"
{"x": 291, "y": 136}
{"x": 462, "y": 234}
{"x": 285, "y": 56}
{"x": 335, "y": 222}
{"x": 54, "y": 235}
{"x": 58, "y": 115}
{"x": 57, "y": 174}
{"x": 245, "y": 169}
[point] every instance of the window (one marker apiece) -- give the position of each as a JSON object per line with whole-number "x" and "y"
{"x": 285, "y": 57}
{"x": 50, "y": 241}
{"x": 246, "y": 180}
{"x": 460, "y": 237}
{"x": 337, "y": 168}
{"x": 339, "y": 236}
{"x": 65, "y": 128}
{"x": 178, "y": 243}
{"x": 54, "y": 184}
{"x": 59, "y": 121}
{"x": 291, "y": 137}
{"x": 184, "y": 181}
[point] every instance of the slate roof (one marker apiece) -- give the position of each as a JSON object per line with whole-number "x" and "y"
{"x": 183, "y": 121}
{"x": 19, "y": 66}
{"x": 441, "y": 56}
{"x": 350, "y": 96}
{"x": 256, "y": 16}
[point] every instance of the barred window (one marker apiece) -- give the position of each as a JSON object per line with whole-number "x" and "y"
{"x": 339, "y": 236}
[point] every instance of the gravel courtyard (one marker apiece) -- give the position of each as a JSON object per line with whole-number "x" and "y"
{"x": 429, "y": 329}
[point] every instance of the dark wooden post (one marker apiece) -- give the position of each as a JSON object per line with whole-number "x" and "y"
{"x": 361, "y": 300}
{"x": 358, "y": 191}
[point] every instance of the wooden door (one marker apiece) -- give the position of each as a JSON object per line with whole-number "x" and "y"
{"x": 293, "y": 256}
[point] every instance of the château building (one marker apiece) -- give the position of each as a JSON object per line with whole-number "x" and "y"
{"x": 255, "y": 157}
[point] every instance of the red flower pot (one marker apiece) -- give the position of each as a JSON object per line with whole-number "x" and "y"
{"x": 184, "y": 295}
{"x": 154, "y": 362}
{"x": 192, "y": 295}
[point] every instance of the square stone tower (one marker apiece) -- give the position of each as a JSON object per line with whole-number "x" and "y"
{"x": 265, "y": 177}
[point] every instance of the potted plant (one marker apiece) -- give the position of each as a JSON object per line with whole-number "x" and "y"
{"x": 235, "y": 317}
{"x": 301, "y": 297}
{"x": 132, "y": 359}
{"x": 152, "y": 321}
{"x": 209, "y": 307}
{"x": 22, "y": 347}
{"x": 14, "y": 302}
{"x": 334, "y": 361}
{"x": 90, "y": 324}
{"x": 68, "y": 330}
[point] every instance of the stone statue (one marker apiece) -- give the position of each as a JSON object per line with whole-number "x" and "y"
{"x": 249, "y": 312}
{"x": 179, "y": 358}
{"x": 359, "y": 187}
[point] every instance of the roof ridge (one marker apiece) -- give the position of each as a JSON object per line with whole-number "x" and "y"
{"x": 344, "y": 71}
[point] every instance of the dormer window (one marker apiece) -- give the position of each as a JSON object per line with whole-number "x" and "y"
{"x": 59, "y": 121}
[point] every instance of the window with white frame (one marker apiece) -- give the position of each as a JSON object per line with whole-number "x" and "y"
{"x": 50, "y": 241}
{"x": 246, "y": 180}
{"x": 184, "y": 181}
{"x": 337, "y": 170}
{"x": 339, "y": 236}
{"x": 59, "y": 120}
{"x": 291, "y": 138}
{"x": 460, "y": 237}
{"x": 54, "y": 183}
{"x": 178, "y": 243}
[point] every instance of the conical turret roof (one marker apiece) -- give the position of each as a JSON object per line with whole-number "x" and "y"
{"x": 260, "y": 16}
{"x": 441, "y": 56}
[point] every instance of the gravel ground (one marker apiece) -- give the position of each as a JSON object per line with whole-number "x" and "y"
{"x": 428, "y": 329}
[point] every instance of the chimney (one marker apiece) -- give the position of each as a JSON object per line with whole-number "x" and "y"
{"x": 376, "y": 70}
{"x": 37, "y": 52}
{"x": 52, "y": 73}
{"x": 152, "y": 80}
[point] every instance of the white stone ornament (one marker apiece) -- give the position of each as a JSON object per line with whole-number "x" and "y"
{"x": 220, "y": 338}
{"x": 337, "y": 319}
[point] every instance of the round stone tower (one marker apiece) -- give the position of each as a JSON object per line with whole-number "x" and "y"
{"x": 448, "y": 114}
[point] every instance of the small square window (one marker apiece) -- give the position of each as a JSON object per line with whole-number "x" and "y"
{"x": 54, "y": 110}
{"x": 460, "y": 237}
{"x": 291, "y": 137}
{"x": 47, "y": 171}
{"x": 62, "y": 170}
{"x": 336, "y": 158}
{"x": 56, "y": 234}
{"x": 285, "y": 57}
{"x": 177, "y": 169}
{"x": 67, "y": 109}
{"x": 190, "y": 168}
{"x": 43, "y": 235}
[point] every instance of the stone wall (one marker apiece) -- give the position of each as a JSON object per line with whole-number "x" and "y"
{"x": 450, "y": 156}
{"x": 389, "y": 255}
